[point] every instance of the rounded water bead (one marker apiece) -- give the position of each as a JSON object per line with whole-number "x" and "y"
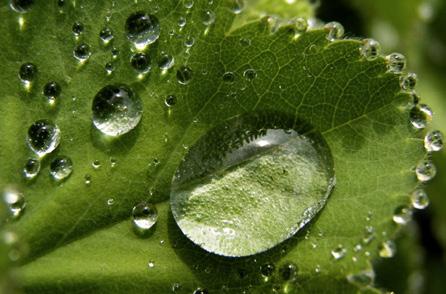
{"x": 237, "y": 6}
{"x": 387, "y": 249}
{"x": 43, "y": 137}
{"x": 15, "y": 202}
{"x": 228, "y": 77}
{"x": 21, "y": 6}
{"x": 27, "y": 72}
{"x": 144, "y": 217}
{"x": 142, "y": 29}
{"x": 402, "y": 215}
{"x": 61, "y": 168}
{"x": 52, "y": 89}
{"x": 208, "y": 17}
{"x": 433, "y": 141}
{"x": 116, "y": 110}
{"x": 335, "y": 30}
{"x": 362, "y": 279}
{"x": 182, "y": 22}
{"x": 184, "y": 75}
{"x": 170, "y": 100}
{"x": 78, "y": 28}
{"x": 166, "y": 61}
{"x": 106, "y": 35}
{"x": 288, "y": 271}
{"x": 425, "y": 170}
{"x": 109, "y": 68}
{"x": 250, "y": 74}
{"x": 339, "y": 252}
{"x": 419, "y": 198}
{"x": 396, "y": 62}
{"x": 420, "y": 115}
{"x": 370, "y": 49}
{"x": 140, "y": 62}
{"x": 31, "y": 168}
{"x": 82, "y": 52}
{"x": 301, "y": 25}
{"x": 408, "y": 82}
{"x": 267, "y": 270}
{"x": 201, "y": 291}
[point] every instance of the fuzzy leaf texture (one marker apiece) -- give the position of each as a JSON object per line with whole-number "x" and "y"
{"x": 77, "y": 243}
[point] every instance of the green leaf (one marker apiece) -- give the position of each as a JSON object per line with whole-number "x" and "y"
{"x": 79, "y": 243}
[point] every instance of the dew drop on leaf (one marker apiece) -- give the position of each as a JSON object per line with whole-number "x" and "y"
{"x": 106, "y": 35}
{"x": 78, "y": 29}
{"x": 116, "y": 110}
{"x": 87, "y": 180}
{"x": 15, "y": 202}
{"x": 251, "y": 183}
{"x": 144, "y": 217}
{"x": 338, "y": 252}
{"x": 288, "y": 271}
{"x": 27, "y": 72}
{"x": 402, "y": 215}
{"x": 82, "y": 52}
{"x": 408, "y": 81}
{"x": 237, "y": 6}
{"x": 43, "y": 137}
{"x": 166, "y": 62}
{"x": 362, "y": 279}
{"x": 188, "y": 4}
{"x": 420, "y": 115}
{"x": 250, "y": 74}
{"x": 31, "y": 169}
{"x": 142, "y": 29}
{"x": 396, "y": 62}
{"x": 184, "y": 75}
{"x": 96, "y": 164}
{"x": 419, "y": 199}
{"x": 61, "y": 168}
{"x": 370, "y": 49}
{"x": 201, "y": 291}
{"x": 228, "y": 77}
{"x": 151, "y": 264}
{"x": 52, "y": 90}
{"x": 335, "y": 31}
{"x": 140, "y": 62}
{"x": 170, "y": 100}
{"x": 433, "y": 141}
{"x": 267, "y": 270}
{"x": 109, "y": 68}
{"x": 387, "y": 249}
{"x": 425, "y": 170}
{"x": 21, "y": 6}
{"x": 208, "y": 17}
{"x": 300, "y": 25}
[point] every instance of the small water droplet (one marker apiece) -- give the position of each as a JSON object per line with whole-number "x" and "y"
{"x": 77, "y": 28}
{"x": 170, "y": 100}
{"x": 109, "y": 68}
{"x": 15, "y": 202}
{"x": 166, "y": 62}
{"x": 288, "y": 271}
{"x": 110, "y": 202}
{"x": 339, "y": 252}
{"x": 82, "y": 52}
{"x": 188, "y": 4}
{"x": 228, "y": 77}
{"x": 267, "y": 271}
{"x": 317, "y": 269}
{"x": 402, "y": 215}
{"x": 335, "y": 31}
{"x": 141, "y": 62}
{"x": 142, "y": 29}
{"x": 151, "y": 264}
{"x": 369, "y": 235}
{"x": 27, "y": 72}
{"x": 425, "y": 170}
{"x": 96, "y": 164}
{"x": 21, "y": 6}
{"x": 144, "y": 217}
{"x": 184, "y": 75}
{"x": 433, "y": 141}
{"x": 396, "y": 62}
{"x": 87, "y": 180}
{"x": 201, "y": 291}
{"x": 370, "y": 49}
{"x": 208, "y": 17}
{"x": 237, "y": 6}
{"x": 362, "y": 279}
{"x": 115, "y": 53}
{"x": 419, "y": 198}
{"x": 245, "y": 42}
{"x": 408, "y": 81}
{"x": 31, "y": 169}
{"x": 106, "y": 36}
{"x": 387, "y": 249}
{"x": 250, "y": 74}
{"x": 43, "y": 137}
{"x": 116, "y": 110}
{"x": 420, "y": 115}
{"x": 176, "y": 287}
{"x": 189, "y": 42}
{"x": 61, "y": 168}
{"x": 52, "y": 90}
{"x": 113, "y": 162}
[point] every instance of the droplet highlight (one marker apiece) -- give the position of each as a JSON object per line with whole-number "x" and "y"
{"x": 144, "y": 217}
{"x": 142, "y": 29}
{"x": 61, "y": 168}
{"x": 43, "y": 137}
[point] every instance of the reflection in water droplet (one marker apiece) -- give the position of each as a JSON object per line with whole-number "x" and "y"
{"x": 402, "y": 215}
{"x": 433, "y": 141}
{"x": 300, "y": 25}
{"x": 15, "y": 202}
{"x": 109, "y": 68}
{"x": 96, "y": 164}
{"x": 250, "y": 74}
{"x": 335, "y": 30}
{"x": 339, "y": 252}
{"x": 370, "y": 49}
{"x": 271, "y": 154}
{"x": 87, "y": 180}
{"x": 166, "y": 61}
{"x": 425, "y": 170}
{"x": 144, "y": 217}
{"x": 82, "y": 52}
{"x": 151, "y": 264}
{"x": 170, "y": 101}
{"x": 43, "y": 137}
{"x": 208, "y": 17}
{"x": 420, "y": 115}
{"x": 110, "y": 202}
{"x": 237, "y": 6}
{"x": 61, "y": 168}
{"x": 21, "y": 6}
{"x": 288, "y": 271}
{"x": 419, "y": 198}
{"x": 140, "y": 62}
{"x": 31, "y": 169}
{"x": 116, "y": 110}
{"x": 396, "y": 62}
{"x": 408, "y": 82}
{"x": 201, "y": 291}
{"x": 184, "y": 75}
{"x": 106, "y": 35}
{"x": 142, "y": 29}
{"x": 228, "y": 77}
{"x": 78, "y": 28}
{"x": 52, "y": 90}
{"x": 387, "y": 249}
{"x": 27, "y": 72}
{"x": 267, "y": 271}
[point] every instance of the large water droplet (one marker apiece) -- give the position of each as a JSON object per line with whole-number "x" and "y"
{"x": 387, "y": 249}
{"x": 116, "y": 110}
{"x": 419, "y": 198}
{"x": 15, "y": 201}
{"x": 61, "y": 168}
{"x": 251, "y": 183}
{"x": 21, "y": 6}
{"x": 433, "y": 141}
{"x": 144, "y": 217}
{"x": 425, "y": 170}
{"x": 31, "y": 169}
{"x": 142, "y": 29}
{"x": 370, "y": 49}
{"x": 420, "y": 115}
{"x": 43, "y": 137}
